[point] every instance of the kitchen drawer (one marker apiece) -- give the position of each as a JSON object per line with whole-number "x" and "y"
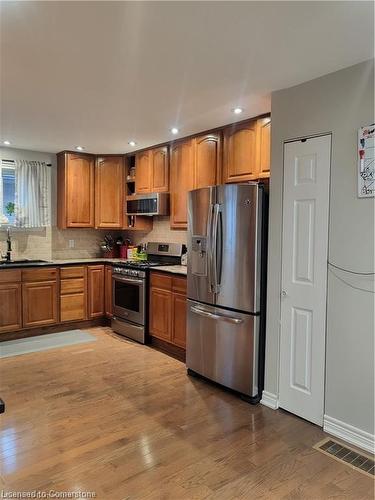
{"x": 10, "y": 275}
{"x": 179, "y": 285}
{"x": 73, "y": 285}
{"x": 73, "y": 307}
{"x": 160, "y": 280}
{"x": 72, "y": 272}
{"x": 46, "y": 274}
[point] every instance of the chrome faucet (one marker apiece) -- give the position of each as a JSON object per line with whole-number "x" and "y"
{"x": 8, "y": 256}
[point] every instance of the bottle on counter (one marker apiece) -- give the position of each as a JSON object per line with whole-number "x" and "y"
{"x": 124, "y": 249}
{"x": 131, "y": 252}
{"x": 141, "y": 252}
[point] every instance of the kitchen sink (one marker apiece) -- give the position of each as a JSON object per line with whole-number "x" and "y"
{"x": 22, "y": 261}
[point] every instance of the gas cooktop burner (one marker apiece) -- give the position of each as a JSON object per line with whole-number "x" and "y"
{"x": 141, "y": 264}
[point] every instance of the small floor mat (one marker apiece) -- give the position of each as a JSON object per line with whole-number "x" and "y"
{"x": 360, "y": 461}
{"x": 44, "y": 342}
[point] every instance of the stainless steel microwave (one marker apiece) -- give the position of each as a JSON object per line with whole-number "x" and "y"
{"x": 148, "y": 204}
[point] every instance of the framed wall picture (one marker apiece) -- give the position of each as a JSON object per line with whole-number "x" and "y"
{"x": 366, "y": 162}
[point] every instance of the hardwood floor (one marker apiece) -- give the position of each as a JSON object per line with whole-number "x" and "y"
{"x": 126, "y": 421}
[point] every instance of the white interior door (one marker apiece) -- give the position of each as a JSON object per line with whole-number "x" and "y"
{"x": 304, "y": 276}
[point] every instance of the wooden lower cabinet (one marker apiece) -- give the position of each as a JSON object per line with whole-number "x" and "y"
{"x": 73, "y": 307}
{"x": 108, "y": 291}
{"x": 95, "y": 286}
{"x": 10, "y": 307}
{"x": 168, "y": 308}
{"x": 39, "y": 303}
{"x": 161, "y": 314}
{"x": 179, "y": 304}
{"x": 73, "y": 294}
{"x": 45, "y": 296}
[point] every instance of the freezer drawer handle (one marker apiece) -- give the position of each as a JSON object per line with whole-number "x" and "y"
{"x": 221, "y": 317}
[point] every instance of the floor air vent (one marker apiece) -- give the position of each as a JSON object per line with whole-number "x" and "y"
{"x": 357, "y": 460}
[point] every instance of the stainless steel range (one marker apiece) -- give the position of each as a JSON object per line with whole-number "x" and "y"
{"x": 130, "y": 289}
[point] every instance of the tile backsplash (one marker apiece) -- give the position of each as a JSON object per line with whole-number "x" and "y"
{"x": 28, "y": 243}
{"x": 161, "y": 231}
{"x": 53, "y": 243}
{"x": 86, "y": 243}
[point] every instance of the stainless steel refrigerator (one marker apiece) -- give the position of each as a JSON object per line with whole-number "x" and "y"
{"x": 226, "y": 286}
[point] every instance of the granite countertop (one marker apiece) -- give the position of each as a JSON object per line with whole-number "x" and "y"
{"x": 178, "y": 269}
{"x": 61, "y": 262}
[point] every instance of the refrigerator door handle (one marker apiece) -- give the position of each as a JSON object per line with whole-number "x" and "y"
{"x": 209, "y": 246}
{"x": 215, "y": 222}
{"x": 221, "y": 317}
{"x": 220, "y": 245}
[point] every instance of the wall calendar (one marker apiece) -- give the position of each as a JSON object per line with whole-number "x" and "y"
{"x": 366, "y": 162}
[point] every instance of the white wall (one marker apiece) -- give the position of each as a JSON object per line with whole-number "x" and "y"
{"x": 340, "y": 103}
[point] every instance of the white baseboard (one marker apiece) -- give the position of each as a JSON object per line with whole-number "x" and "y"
{"x": 349, "y": 433}
{"x": 270, "y": 400}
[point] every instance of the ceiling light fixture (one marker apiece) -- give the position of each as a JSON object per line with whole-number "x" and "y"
{"x": 174, "y": 130}
{"x": 237, "y": 110}
{"x": 6, "y": 143}
{"x": 132, "y": 143}
{"x": 80, "y": 148}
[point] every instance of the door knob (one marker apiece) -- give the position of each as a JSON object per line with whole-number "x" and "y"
{"x": 283, "y": 293}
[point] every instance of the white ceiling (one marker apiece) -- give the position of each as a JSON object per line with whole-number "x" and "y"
{"x": 98, "y": 74}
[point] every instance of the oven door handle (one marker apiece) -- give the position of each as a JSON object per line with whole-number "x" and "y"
{"x": 128, "y": 280}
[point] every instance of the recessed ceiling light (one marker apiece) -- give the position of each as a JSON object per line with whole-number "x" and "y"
{"x": 6, "y": 143}
{"x": 174, "y": 130}
{"x": 80, "y": 148}
{"x": 237, "y": 110}
{"x": 132, "y": 143}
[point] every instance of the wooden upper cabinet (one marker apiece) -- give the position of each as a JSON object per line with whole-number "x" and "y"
{"x": 152, "y": 171}
{"x": 109, "y": 192}
{"x": 264, "y": 147}
{"x": 143, "y": 172}
{"x": 182, "y": 181}
{"x": 75, "y": 190}
{"x": 240, "y": 152}
{"x": 160, "y": 170}
{"x": 207, "y": 160}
